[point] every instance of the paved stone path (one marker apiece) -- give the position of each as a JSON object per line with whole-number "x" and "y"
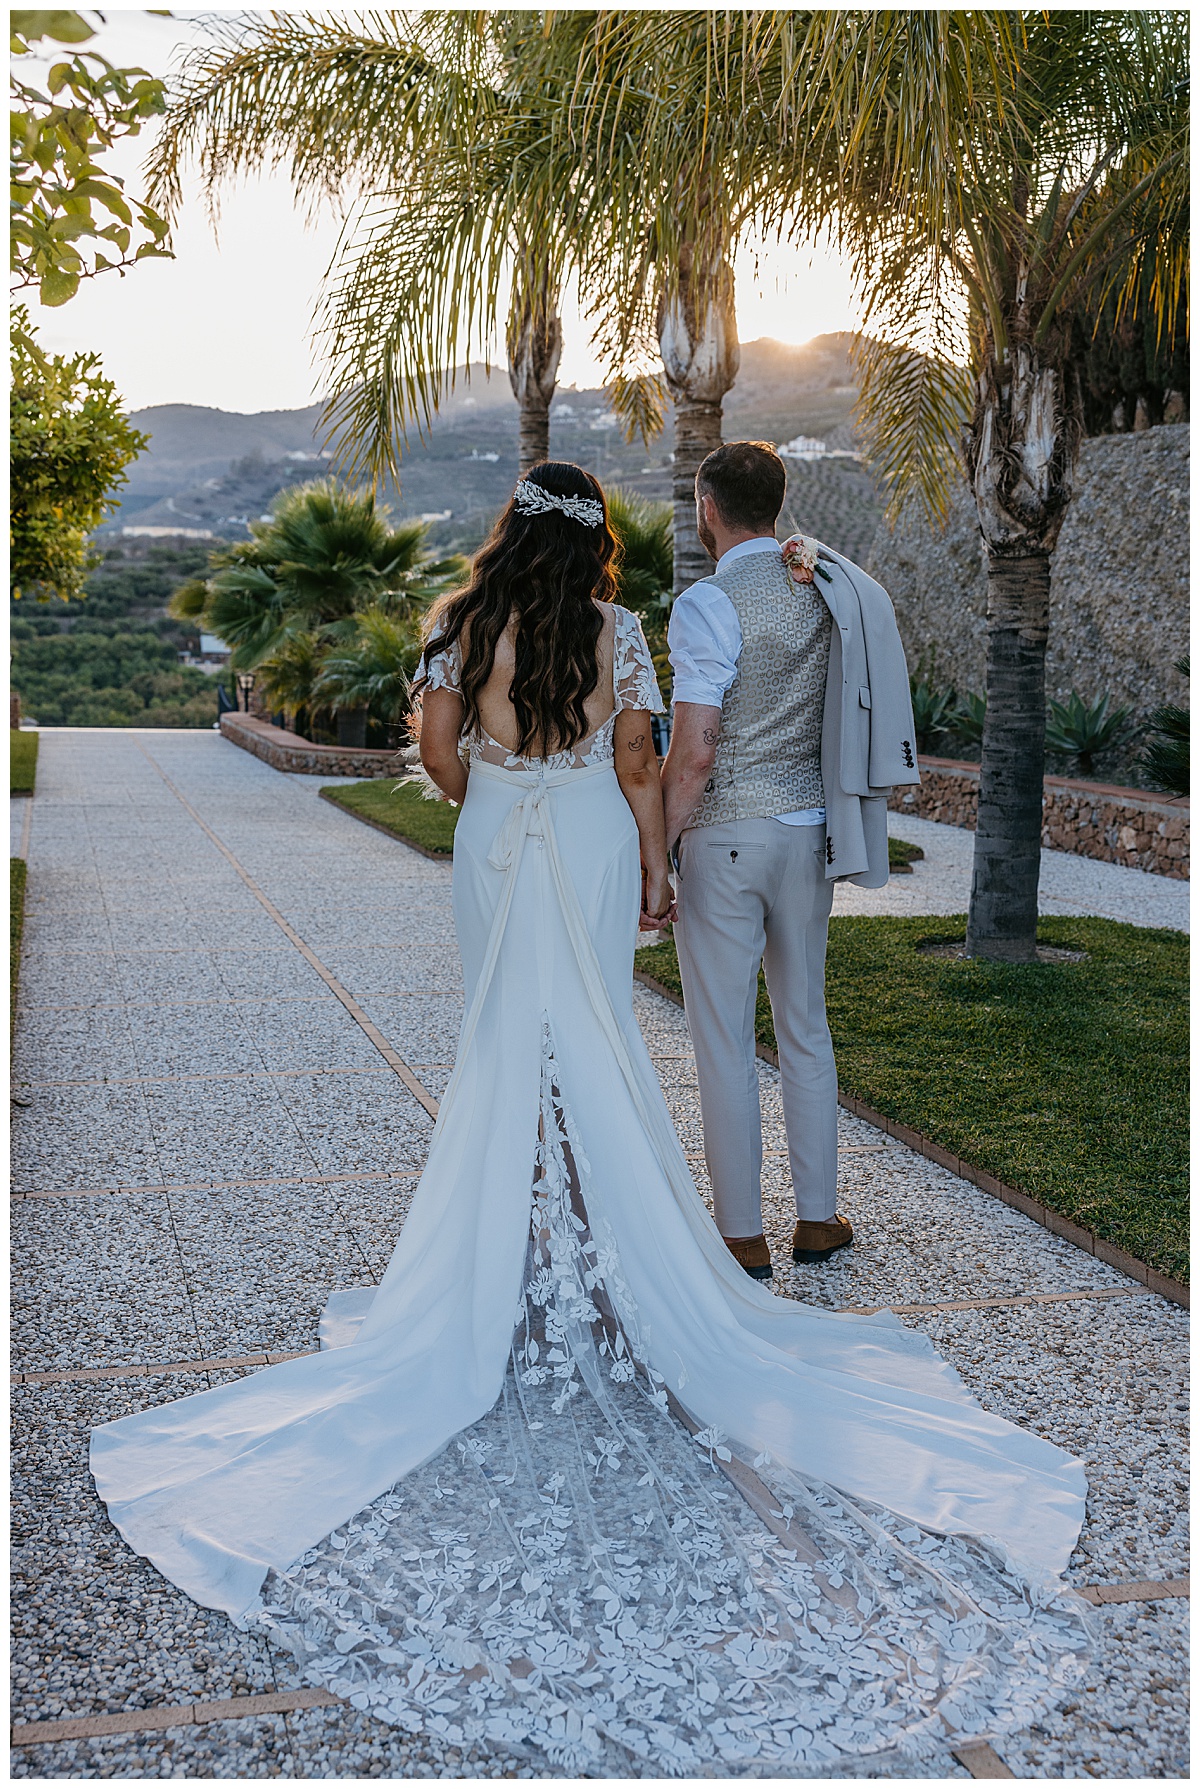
{"x": 220, "y": 976}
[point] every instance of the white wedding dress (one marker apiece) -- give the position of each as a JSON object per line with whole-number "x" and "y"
{"x": 568, "y": 1481}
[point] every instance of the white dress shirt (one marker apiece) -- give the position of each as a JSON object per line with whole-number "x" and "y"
{"x": 705, "y": 638}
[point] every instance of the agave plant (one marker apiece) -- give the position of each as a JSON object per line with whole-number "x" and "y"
{"x": 933, "y": 712}
{"x": 1167, "y": 758}
{"x": 968, "y": 719}
{"x": 1082, "y": 730}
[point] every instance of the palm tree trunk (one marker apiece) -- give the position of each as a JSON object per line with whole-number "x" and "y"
{"x": 534, "y": 432}
{"x": 700, "y": 357}
{"x": 534, "y": 349}
{"x": 697, "y": 432}
{"x": 1020, "y": 454}
{"x": 1008, "y": 836}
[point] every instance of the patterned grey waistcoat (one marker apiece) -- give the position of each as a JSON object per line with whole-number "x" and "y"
{"x": 769, "y": 752}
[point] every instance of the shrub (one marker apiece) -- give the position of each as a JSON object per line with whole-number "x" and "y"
{"x": 1082, "y": 730}
{"x": 1167, "y": 758}
{"x": 933, "y": 713}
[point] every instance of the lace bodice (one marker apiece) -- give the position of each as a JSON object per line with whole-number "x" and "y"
{"x": 635, "y": 685}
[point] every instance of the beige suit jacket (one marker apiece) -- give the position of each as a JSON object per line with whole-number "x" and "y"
{"x": 868, "y": 741}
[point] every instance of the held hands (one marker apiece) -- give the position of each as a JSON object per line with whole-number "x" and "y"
{"x": 658, "y": 901}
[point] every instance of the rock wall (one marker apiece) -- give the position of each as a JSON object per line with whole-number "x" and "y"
{"x": 1119, "y": 581}
{"x": 287, "y": 751}
{"x": 1092, "y": 819}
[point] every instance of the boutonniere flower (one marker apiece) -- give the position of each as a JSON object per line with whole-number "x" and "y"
{"x": 800, "y": 556}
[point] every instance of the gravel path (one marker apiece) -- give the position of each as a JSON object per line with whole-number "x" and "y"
{"x": 941, "y": 883}
{"x": 174, "y": 1043}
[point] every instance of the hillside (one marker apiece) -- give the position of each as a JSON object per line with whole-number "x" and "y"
{"x": 216, "y": 470}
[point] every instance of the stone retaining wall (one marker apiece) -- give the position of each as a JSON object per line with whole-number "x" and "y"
{"x": 1126, "y": 826}
{"x": 287, "y": 751}
{"x": 1118, "y": 588}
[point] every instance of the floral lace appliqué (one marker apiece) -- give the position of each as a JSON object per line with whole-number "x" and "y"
{"x": 576, "y": 1577}
{"x": 635, "y": 685}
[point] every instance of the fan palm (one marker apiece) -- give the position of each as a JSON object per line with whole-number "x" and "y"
{"x": 326, "y": 555}
{"x": 1167, "y": 759}
{"x": 371, "y": 673}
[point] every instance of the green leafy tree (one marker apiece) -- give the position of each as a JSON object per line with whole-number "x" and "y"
{"x": 70, "y": 217}
{"x": 326, "y": 556}
{"x": 70, "y": 444}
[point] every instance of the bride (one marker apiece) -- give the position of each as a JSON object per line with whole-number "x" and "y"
{"x": 568, "y": 1482}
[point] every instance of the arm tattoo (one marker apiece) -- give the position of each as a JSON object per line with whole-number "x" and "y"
{"x": 710, "y": 735}
{"x": 635, "y": 745}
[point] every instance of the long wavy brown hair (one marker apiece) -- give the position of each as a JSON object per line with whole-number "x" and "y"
{"x": 549, "y": 571}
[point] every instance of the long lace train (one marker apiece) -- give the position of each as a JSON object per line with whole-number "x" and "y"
{"x": 578, "y": 1576}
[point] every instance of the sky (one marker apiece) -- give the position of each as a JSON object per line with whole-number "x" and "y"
{"x": 227, "y": 323}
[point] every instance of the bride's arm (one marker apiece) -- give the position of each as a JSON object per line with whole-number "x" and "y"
{"x": 441, "y": 728}
{"x": 637, "y": 772}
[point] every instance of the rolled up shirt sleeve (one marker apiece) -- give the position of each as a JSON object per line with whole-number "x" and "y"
{"x": 705, "y": 641}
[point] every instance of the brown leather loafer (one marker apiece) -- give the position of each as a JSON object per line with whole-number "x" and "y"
{"x": 752, "y": 1253}
{"x": 816, "y": 1242}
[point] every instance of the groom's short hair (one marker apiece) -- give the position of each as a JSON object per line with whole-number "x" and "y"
{"x": 747, "y": 481}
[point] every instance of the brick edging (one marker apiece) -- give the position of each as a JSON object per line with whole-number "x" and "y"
{"x": 331, "y": 796}
{"x": 1087, "y": 1240}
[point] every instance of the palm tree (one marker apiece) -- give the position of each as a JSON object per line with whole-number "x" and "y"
{"x": 325, "y": 556}
{"x": 644, "y": 572}
{"x": 481, "y": 142}
{"x": 369, "y": 111}
{"x": 1073, "y": 192}
{"x": 372, "y": 672}
{"x": 997, "y": 177}
{"x": 287, "y": 681}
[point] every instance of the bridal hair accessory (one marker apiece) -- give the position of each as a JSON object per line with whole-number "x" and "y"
{"x": 533, "y": 500}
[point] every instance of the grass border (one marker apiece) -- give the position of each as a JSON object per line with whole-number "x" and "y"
{"x": 331, "y": 796}
{"x": 22, "y": 760}
{"x": 18, "y": 872}
{"x": 1173, "y": 1290}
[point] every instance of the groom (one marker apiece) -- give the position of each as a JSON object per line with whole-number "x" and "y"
{"x": 792, "y": 719}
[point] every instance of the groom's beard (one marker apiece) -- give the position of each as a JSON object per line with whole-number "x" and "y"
{"x": 708, "y": 540}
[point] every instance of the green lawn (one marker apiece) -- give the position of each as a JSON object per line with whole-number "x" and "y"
{"x": 1067, "y": 1080}
{"x": 22, "y": 762}
{"x": 402, "y": 811}
{"x": 902, "y": 855}
{"x": 16, "y": 925}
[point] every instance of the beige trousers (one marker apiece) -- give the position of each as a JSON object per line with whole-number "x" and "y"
{"x": 751, "y": 892}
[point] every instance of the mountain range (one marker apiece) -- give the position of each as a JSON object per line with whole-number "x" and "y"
{"x": 214, "y": 471}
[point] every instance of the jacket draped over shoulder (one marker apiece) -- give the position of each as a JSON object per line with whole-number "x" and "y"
{"x": 868, "y": 740}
